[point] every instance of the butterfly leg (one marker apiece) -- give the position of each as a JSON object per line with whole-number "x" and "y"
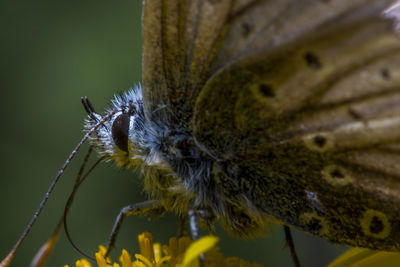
{"x": 146, "y": 207}
{"x": 194, "y": 215}
{"x": 182, "y": 225}
{"x": 290, "y": 244}
{"x": 194, "y": 223}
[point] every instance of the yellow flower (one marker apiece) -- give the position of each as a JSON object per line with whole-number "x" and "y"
{"x": 362, "y": 257}
{"x": 182, "y": 252}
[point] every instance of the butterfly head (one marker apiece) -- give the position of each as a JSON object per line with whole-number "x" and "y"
{"x": 124, "y": 138}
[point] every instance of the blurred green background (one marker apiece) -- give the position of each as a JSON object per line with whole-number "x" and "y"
{"x": 52, "y": 53}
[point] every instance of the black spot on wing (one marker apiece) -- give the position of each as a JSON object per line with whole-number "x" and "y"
{"x": 385, "y": 73}
{"x": 354, "y": 114}
{"x": 336, "y": 173}
{"x": 376, "y": 225}
{"x": 266, "y": 90}
{"x": 245, "y": 29}
{"x": 314, "y": 225}
{"x": 312, "y": 61}
{"x": 320, "y": 140}
{"x": 214, "y": 2}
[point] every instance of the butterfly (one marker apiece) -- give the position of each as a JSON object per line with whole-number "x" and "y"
{"x": 267, "y": 111}
{"x": 253, "y": 112}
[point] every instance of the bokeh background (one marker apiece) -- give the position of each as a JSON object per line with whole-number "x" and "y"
{"x": 52, "y": 53}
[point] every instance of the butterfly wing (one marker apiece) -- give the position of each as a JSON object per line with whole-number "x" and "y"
{"x": 186, "y": 42}
{"x": 178, "y": 40}
{"x": 307, "y": 123}
{"x": 298, "y": 100}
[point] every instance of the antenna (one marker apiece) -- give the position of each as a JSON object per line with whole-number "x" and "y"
{"x": 45, "y": 251}
{"x": 68, "y": 205}
{"x": 89, "y": 108}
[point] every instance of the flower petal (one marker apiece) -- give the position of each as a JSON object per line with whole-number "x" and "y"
{"x": 157, "y": 252}
{"x": 143, "y": 259}
{"x": 146, "y": 245}
{"x": 361, "y": 257}
{"x": 196, "y": 248}
{"x": 100, "y": 260}
{"x": 125, "y": 259}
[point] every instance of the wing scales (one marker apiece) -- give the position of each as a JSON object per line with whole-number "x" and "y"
{"x": 187, "y": 42}
{"x": 298, "y": 101}
{"x": 178, "y": 39}
{"x": 314, "y": 126}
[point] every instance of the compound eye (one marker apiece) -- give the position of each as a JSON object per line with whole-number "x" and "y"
{"x": 120, "y": 131}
